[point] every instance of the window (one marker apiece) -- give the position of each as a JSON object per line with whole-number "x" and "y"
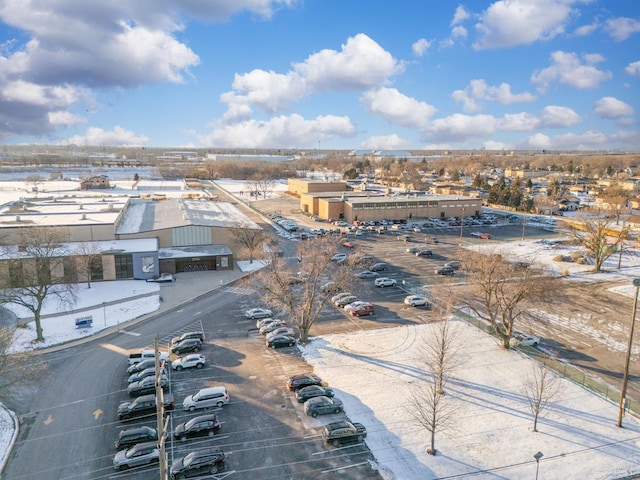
{"x": 95, "y": 267}
{"x": 124, "y": 266}
{"x": 16, "y": 275}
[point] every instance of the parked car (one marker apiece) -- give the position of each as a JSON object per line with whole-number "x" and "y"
{"x": 455, "y": 264}
{"x": 341, "y": 302}
{"x": 195, "y": 360}
{"x": 413, "y": 250}
{"x": 273, "y": 326}
{"x": 347, "y": 244}
{"x": 322, "y": 406}
{"x": 364, "y": 260}
{"x": 344, "y": 431}
{"x": 444, "y": 270}
{"x": 338, "y": 296}
{"x": 329, "y": 287}
{"x": 140, "y": 454}
{"x": 416, "y": 300}
{"x": 200, "y": 426}
{"x": 284, "y": 330}
{"x": 266, "y": 321}
{"x": 521, "y": 340}
{"x": 295, "y": 382}
{"x": 137, "y": 357}
{"x": 424, "y": 253}
{"x": 186, "y": 346}
{"x": 378, "y": 267}
{"x": 485, "y": 236}
{"x": 206, "y": 398}
{"x": 385, "y": 282}
{"x": 142, "y": 365}
{"x": 339, "y": 258}
{"x": 352, "y": 305}
{"x": 280, "y": 340}
{"x": 188, "y": 335}
{"x": 143, "y": 405}
{"x": 130, "y": 436}
{"x": 367, "y": 274}
{"x": 197, "y": 463}
{"x": 295, "y": 280}
{"x": 305, "y": 393}
{"x": 146, "y": 385}
{"x": 360, "y": 310}
{"x": 163, "y": 278}
{"x": 254, "y": 313}
{"x": 147, "y": 372}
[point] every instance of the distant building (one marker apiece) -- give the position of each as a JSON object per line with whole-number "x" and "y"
{"x": 300, "y": 186}
{"x": 98, "y": 182}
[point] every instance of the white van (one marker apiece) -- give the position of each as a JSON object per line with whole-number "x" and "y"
{"x": 206, "y": 398}
{"x": 137, "y": 357}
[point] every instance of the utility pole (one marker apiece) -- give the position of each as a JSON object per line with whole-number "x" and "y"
{"x": 461, "y": 224}
{"x": 625, "y": 378}
{"x": 160, "y": 413}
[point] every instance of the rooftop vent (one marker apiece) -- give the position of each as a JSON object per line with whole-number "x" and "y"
{"x": 25, "y": 208}
{"x": 110, "y": 206}
{"x": 80, "y": 207}
{"x": 84, "y": 216}
{"x": 17, "y": 218}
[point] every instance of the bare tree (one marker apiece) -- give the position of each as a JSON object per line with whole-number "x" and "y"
{"x": 499, "y": 292}
{"x": 250, "y": 238}
{"x": 298, "y": 289}
{"x": 15, "y": 367}
{"x": 542, "y": 387}
{"x": 38, "y": 273}
{"x": 87, "y": 260}
{"x": 428, "y": 405}
{"x": 616, "y": 199}
{"x": 594, "y": 235}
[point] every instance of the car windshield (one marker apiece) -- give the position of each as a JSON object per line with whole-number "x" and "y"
{"x": 186, "y": 461}
{"x": 192, "y": 422}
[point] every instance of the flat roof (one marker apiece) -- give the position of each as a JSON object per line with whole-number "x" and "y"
{"x": 99, "y": 247}
{"x": 412, "y": 199}
{"x": 193, "y": 251}
{"x": 143, "y": 215}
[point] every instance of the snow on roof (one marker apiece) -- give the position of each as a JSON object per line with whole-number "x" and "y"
{"x": 188, "y": 252}
{"x": 147, "y": 215}
{"x": 134, "y": 245}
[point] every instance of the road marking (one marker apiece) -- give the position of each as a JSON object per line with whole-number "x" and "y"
{"x": 49, "y": 420}
{"x": 197, "y": 313}
{"x": 97, "y": 413}
{"x": 135, "y": 334}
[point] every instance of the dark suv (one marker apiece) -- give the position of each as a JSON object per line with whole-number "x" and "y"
{"x": 338, "y": 433}
{"x": 200, "y": 426}
{"x": 201, "y": 462}
{"x": 186, "y": 346}
{"x": 144, "y": 405}
{"x": 129, "y": 437}
{"x": 185, "y": 336}
{"x": 303, "y": 380}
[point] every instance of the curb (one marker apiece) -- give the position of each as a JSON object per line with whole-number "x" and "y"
{"x": 16, "y": 431}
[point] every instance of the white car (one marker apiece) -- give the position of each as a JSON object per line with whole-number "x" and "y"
{"x": 338, "y": 296}
{"x": 355, "y": 305}
{"x": 163, "y": 278}
{"x": 366, "y": 274}
{"x": 254, "y": 313}
{"x": 476, "y": 234}
{"x": 385, "y": 282}
{"x": 416, "y": 300}
{"x": 266, "y": 321}
{"x": 194, "y": 360}
{"x": 524, "y": 341}
{"x": 339, "y": 257}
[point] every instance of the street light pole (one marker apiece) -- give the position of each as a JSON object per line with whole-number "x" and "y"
{"x": 625, "y": 377}
{"x": 461, "y": 224}
{"x": 538, "y": 456}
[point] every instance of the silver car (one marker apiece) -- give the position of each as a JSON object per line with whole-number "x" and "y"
{"x": 140, "y": 454}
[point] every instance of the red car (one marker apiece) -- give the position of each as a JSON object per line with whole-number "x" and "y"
{"x": 486, "y": 236}
{"x": 366, "y": 309}
{"x": 347, "y": 244}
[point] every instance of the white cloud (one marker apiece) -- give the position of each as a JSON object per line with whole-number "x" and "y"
{"x": 385, "y": 142}
{"x": 554, "y": 116}
{"x": 459, "y": 127}
{"x": 118, "y": 136}
{"x": 460, "y": 15}
{"x": 420, "y": 47}
{"x": 518, "y": 122}
{"x": 64, "y": 118}
{"x": 585, "y": 30}
{"x": 621, "y": 28}
{"x": 458, "y": 32}
{"x": 397, "y": 108}
{"x": 361, "y": 64}
{"x": 633, "y": 69}
{"x": 589, "y": 140}
{"x": 610, "y": 107}
{"x": 478, "y": 90}
{"x": 567, "y": 68}
{"x": 493, "y": 145}
{"x": 269, "y": 91}
{"x": 290, "y": 131}
{"x": 507, "y": 23}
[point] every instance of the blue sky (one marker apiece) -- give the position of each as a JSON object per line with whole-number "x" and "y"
{"x": 307, "y": 74}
